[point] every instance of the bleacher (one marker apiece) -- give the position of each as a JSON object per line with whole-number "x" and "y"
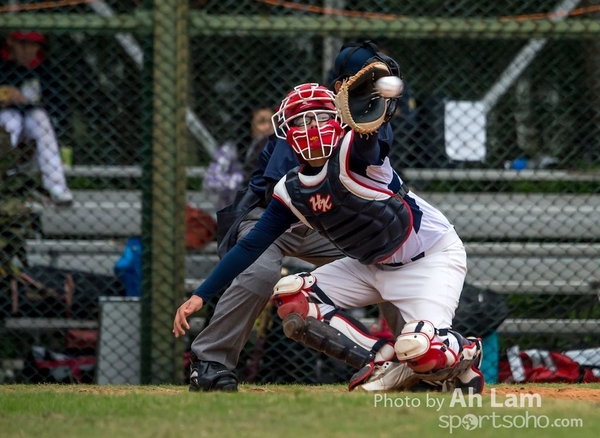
{"x": 514, "y": 241}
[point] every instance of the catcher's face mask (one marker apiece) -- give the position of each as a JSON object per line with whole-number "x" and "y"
{"x": 308, "y": 120}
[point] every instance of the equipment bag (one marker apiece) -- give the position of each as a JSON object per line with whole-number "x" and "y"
{"x": 43, "y": 291}
{"x": 128, "y": 268}
{"x": 42, "y": 365}
{"x": 200, "y": 228}
{"x": 545, "y": 366}
{"x": 480, "y": 311}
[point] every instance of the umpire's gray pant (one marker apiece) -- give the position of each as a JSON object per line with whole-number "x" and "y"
{"x": 231, "y": 324}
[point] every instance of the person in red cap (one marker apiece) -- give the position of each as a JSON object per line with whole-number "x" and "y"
{"x": 28, "y": 87}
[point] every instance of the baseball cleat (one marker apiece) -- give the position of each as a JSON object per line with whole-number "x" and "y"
{"x": 431, "y": 386}
{"x": 472, "y": 377}
{"x": 61, "y": 196}
{"x": 211, "y": 376}
{"x": 388, "y": 376}
{"x": 361, "y": 375}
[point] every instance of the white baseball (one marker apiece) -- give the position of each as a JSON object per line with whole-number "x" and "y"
{"x": 389, "y": 86}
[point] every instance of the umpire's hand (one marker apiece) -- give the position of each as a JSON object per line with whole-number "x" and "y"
{"x": 180, "y": 324}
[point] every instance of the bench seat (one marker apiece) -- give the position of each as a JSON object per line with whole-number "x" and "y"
{"x": 476, "y": 216}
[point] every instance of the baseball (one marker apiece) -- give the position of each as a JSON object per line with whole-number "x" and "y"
{"x": 389, "y": 86}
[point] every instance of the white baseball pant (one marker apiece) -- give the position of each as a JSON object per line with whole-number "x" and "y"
{"x": 34, "y": 124}
{"x": 426, "y": 289}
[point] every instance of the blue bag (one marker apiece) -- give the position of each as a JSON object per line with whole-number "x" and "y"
{"x": 129, "y": 267}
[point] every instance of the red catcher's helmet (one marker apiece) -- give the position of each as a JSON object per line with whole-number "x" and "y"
{"x": 307, "y": 101}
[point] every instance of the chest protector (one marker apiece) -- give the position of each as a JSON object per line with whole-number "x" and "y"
{"x": 367, "y": 230}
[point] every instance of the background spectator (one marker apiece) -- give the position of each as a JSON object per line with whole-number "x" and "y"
{"x": 260, "y": 129}
{"x": 227, "y": 173}
{"x": 538, "y": 122}
{"x": 224, "y": 175}
{"x": 29, "y": 89}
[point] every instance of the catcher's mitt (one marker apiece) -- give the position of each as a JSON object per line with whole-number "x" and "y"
{"x": 359, "y": 103}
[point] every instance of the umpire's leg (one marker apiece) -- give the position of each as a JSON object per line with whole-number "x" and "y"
{"x": 236, "y": 311}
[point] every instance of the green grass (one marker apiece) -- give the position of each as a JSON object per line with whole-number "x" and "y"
{"x": 264, "y": 411}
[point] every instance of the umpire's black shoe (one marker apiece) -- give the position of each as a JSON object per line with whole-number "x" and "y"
{"x": 211, "y": 376}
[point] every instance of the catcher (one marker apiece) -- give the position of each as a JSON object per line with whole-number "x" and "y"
{"x": 216, "y": 350}
{"x": 399, "y": 248}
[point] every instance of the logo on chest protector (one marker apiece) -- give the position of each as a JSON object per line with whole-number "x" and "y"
{"x": 322, "y": 204}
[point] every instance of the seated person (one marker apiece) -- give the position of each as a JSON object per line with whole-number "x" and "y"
{"x": 29, "y": 88}
{"x": 261, "y": 129}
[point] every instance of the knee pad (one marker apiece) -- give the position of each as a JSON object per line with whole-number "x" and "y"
{"x": 291, "y": 294}
{"x": 420, "y": 348}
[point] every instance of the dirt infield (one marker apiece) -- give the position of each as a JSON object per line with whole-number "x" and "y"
{"x": 590, "y": 392}
{"x": 557, "y": 391}
{"x": 567, "y": 392}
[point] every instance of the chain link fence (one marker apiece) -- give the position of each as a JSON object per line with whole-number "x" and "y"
{"x": 116, "y": 122}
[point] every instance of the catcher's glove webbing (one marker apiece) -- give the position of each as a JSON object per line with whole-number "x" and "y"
{"x": 358, "y": 102}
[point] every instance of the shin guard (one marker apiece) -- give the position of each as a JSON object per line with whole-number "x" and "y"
{"x": 321, "y": 337}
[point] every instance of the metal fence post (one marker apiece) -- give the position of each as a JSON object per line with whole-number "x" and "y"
{"x": 164, "y": 187}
